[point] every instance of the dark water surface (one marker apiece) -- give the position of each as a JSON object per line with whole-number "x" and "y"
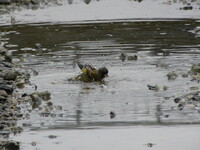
{"x": 53, "y": 51}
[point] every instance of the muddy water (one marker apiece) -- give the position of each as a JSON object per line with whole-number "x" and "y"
{"x": 54, "y": 49}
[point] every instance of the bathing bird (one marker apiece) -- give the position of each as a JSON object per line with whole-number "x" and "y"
{"x": 90, "y": 74}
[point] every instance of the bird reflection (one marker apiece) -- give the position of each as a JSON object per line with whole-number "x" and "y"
{"x": 78, "y": 111}
{"x": 78, "y": 116}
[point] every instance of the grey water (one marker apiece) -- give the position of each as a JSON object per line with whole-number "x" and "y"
{"x": 54, "y": 50}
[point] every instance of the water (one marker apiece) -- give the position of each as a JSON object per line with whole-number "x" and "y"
{"x": 53, "y": 49}
{"x": 101, "y": 44}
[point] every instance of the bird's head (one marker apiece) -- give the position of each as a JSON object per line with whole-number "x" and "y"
{"x": 103, "y": 72}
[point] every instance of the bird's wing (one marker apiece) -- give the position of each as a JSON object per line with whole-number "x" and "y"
{"x": 85, "y": 68}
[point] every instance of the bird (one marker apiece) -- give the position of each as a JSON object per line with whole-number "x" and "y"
{"x": 91, "y": 74}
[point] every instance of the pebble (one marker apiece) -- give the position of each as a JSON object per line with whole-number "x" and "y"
{"x": 33, "y": 143}
{"x": 195, "y": 69}
{"x": 196, "y": 98}
{"x": 172, "y": 75}
{"x": 10, "y": 75}
{"x": 176, "y": 100}
{"x": 194, "y": 88}
{"x": 187, "y": 8}
{"x": 180, "y": 107}
{"x": 132, "y": 58}
{"x": 165, "y": 88}
{"x": 150, "y": 144}
{"x": 112, "y": 115}
{"x": 52, "y": 136}
{"x": 185, "y": 75}
{"x": 3, "y": 93}
{"x": 8, "y": 58}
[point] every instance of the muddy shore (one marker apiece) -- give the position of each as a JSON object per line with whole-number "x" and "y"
{"x": 13, "y": 78}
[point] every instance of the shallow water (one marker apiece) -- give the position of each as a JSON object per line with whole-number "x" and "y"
{"x": 125, "y": 90}
{"x": 53, "y": 49}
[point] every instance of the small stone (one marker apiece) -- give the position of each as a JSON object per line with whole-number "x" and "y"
{"x": 166, "y": 52}
{"x": 194, "y": 88}
{"x": 10, "y": 75}
{"x": 187, "y": 8}
{"x": 122, "y": 57}
{"x": 177, "y": 100}
{"x": 8, "y": 58}
{"x": 49, "y": 104}
{"x": 3, "y": 93}
{"x": 20, "y": 115}
{"x": 112, "y": 115}
{"x": 52, "y": 136}
{"x": 7, "y": 64}
{"x": 1, "y": 128}
{"x": 172, "y": 75}
{"x": 196, "y": 98}
{"x": 150, "y": 144}
{"x": 182, "y": 101}
{"x": 2, "y": 51}
{"x": 45, "y": 95}
{"x": 196, "y": 78}
{"x": 24, "y": 95}
{"x": 59, "y": 108}
{"x": 20, "y": 85}
{"x": 166, "y": 116}
{"x": 132, "y": 58}
{"x": 26, "y": 125}
{"x": 185, "y": 75}
{"x": 165, "y": 88}
{"x": 195, "y": 69}
{"x": 180, "y": 107}
{"x": 35, "y": 97}
{"x": 191, "y": 106}
{"x": 60, "y": 115}
{"x": 42, "y": 124}
{"x": 33, "y": 143}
